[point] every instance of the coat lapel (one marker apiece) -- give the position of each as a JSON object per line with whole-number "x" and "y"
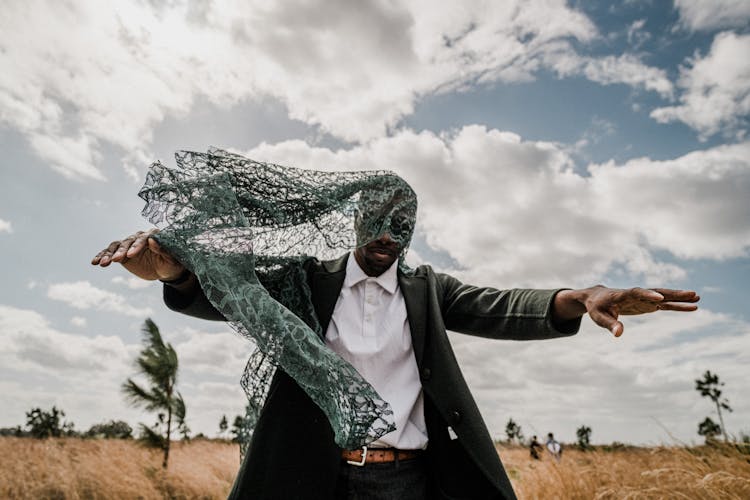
{"x": 325, "y": 284}
{"x": 414, "y": 289}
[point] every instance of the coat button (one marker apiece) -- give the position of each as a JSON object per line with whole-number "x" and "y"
{"x": 426, "y": 374}
{"x": 455, "y": 418}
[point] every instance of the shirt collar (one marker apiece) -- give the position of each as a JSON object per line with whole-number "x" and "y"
{"x": 354, "y": 274}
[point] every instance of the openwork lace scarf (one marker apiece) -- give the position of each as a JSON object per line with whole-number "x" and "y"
{"x": 246, "y": 229}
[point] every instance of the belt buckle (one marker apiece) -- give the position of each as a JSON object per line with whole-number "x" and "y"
{"x": 361, "y": 463}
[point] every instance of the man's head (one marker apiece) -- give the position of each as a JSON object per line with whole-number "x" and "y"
{"x": 377, "y": 256}
{"x": 384, "y": 224}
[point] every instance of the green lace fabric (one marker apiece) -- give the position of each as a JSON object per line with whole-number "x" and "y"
{"x": 248, "y": 230}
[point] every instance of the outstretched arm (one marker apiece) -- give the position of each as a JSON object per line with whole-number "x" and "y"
{"x": 604, "y": 305}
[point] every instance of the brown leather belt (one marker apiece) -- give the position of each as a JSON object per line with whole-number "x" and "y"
{"x": 367, "y": 455}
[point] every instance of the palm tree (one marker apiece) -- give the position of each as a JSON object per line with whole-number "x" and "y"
{"x": 157, "y": 361}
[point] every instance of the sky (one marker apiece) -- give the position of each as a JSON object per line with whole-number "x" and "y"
{"x": 551, "y": 144}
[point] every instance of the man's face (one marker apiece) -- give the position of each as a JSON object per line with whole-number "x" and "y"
{"x": 377, "y": 256}
{"x": 383, "y": 224}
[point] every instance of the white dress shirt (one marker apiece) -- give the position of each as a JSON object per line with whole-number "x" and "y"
{"x": 370, "y": 330}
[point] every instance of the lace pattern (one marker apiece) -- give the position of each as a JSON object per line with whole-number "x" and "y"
{"x": 246, "y": 229}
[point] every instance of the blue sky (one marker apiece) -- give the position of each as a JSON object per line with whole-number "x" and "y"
{"x": 550, "y": 143}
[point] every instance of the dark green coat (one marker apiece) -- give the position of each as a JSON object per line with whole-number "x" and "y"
{"x": 293, "y": 455}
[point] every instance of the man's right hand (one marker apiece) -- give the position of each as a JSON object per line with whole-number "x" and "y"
{"x": 141, "y": 255}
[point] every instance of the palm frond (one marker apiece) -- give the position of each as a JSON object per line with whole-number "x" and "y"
{"x": 137, "y": 395}
{"x": 178, "y": 408}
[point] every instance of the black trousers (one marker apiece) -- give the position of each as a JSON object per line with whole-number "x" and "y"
{"x": 398, "y": 480}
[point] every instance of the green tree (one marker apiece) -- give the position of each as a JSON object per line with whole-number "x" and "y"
{"x": 238, "y": 428}
{"x": 513, "y": 431}
{"x": 114, "y": 429}
{"x": 157, "y": 361}
{"x": 13, "y": 431}
{"x": 710, "y": 386}
{"x": 43, "y": 424}
{"x": 242, "y": 429}
{"x": 709, "y": 429}
{"x": 583, "y": 433}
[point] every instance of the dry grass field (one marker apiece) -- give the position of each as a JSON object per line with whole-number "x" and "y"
{"x": 71, "y": 468}
{"x": 631, "y": 473}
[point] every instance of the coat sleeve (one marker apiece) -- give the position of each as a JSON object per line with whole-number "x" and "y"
{"x": 195, "y": 304}
{"x": 516, "y": 314}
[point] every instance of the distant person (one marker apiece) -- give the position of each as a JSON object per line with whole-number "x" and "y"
{"x": 534, "y": 448}
{"x": 553, "y": 447}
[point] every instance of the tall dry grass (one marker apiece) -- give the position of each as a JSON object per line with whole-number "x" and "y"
{"x": 71, "y": 468}
{"x": 720, "y": 472}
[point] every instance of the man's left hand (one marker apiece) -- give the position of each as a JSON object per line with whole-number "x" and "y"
{"x": 604, "y": 305}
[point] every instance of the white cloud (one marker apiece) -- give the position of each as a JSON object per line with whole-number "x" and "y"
{"x": 636, "y": 35}
{"x": 131, "y": 282}
{"x": 78, "y": 321}
{"x": 701, "y": 15}
{"x": 74, "y": 158}
{"x": 5, "y": 226}
{"x": 511, "y": 212}
{"x": 214, "y": 353}
{"x": 625, "y": 69}
{"x": 42, "y": 366}
{"x": 83, "y": 295}
{"x": 704, "y": 191}
{"x": 353, "y": 69}
{"x": 715, "y": 89}
{"x": 643, "y": 377}
{"x": 30, "y": 343}
{"x": 594, "y": 134}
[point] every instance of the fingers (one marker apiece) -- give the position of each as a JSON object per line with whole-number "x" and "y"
{"x": 640, "y": 301}
{"x": 677, "y": 306}
{"x": 607, "y": 320}
{"x": 678, "y": 295}
{"x": 104, "y": 258}
{"x": 122, "y": 250}
{"x": 646, "y": 294}
{"x": 678, "y": 300}
{"x": 617, "y": 329}
{"x": 605, "y": 308}
{"x": 140, "y": 242}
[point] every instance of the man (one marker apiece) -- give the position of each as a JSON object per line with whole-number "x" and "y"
{"x": 377, "y": 326}
{"x": 293, "y": 454}
{"x": 534, "y": 448}
{"x": 553, "y": 447}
